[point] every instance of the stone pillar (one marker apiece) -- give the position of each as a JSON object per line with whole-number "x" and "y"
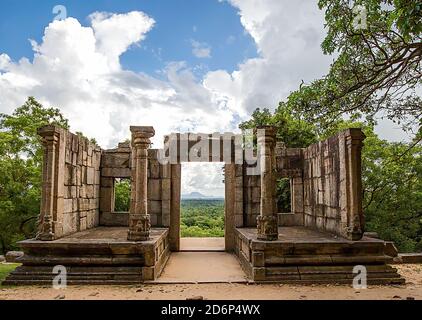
{"x": 50, "y": 140}
{"x": 174, "y": 232}
{"x": 230, "y": 223}
{"x": 139, "y": 220}
{"x": 267, "y": 220}
{"x": 352, "y": 217}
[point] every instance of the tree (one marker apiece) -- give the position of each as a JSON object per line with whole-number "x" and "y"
{"x": 20, "y": 169}
{"x": 378, "y": 69}
{"x": 122, "y": 195}
{"x": 293, "y": 131}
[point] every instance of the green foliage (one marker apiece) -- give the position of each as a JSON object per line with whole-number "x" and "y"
{"x": 377, "y": 68}
{"x": 392, "y": 181}
{"x": 5, "y": 269}
{"x": 20, "y": 169}
{"x": 202, "y": 218}
{"x": 122, "y": 195}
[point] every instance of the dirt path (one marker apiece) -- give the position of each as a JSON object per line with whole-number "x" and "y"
{"x": 412, "y": 273}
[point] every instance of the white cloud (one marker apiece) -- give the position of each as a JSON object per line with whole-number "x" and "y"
{"x": 206, "y": 178}
{"x": 115, "y": 33}
{"x": 288, "y": 36}
{"x": 201, "y": 49}
{"x": 78, "y": 69}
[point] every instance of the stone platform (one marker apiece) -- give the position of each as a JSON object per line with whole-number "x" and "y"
{"x": 302, "y": 255}
{"x": 97, "y": 256}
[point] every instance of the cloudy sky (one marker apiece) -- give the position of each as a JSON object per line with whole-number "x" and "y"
{"x": 179, "y": 65}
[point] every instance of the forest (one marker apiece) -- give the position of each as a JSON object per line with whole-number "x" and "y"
{"x": 202, "y": 218}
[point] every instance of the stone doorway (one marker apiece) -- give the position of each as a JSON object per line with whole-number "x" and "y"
{"x": 202, "y": 207}
{"x": 175, "y": 237}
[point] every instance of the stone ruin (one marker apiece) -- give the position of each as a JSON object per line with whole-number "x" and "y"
{"x": 319, "y": 241}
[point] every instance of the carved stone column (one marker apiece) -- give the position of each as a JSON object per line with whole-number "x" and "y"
{"x": 50, "y": 139}
{"x": 355, "y": 219}
{"x": 267, "y": 222}
{"x": 139, "y": 219}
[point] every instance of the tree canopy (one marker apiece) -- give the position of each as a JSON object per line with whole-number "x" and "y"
{"x": 377, "y": 45}
{"x": 20, "y": 169}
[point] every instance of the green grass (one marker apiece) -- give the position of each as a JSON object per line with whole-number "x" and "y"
{"x": 5, "y": 269}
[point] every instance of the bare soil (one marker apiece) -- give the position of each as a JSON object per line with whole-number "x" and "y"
{"x": 226, "y": 291}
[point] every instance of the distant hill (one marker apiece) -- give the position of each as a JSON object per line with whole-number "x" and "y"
{"x": 199, "y": 196}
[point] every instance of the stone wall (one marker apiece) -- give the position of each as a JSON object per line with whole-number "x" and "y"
{"x": 159, "y": 190}
{"x": 70, "y": 184}
{"x": 251, "y": 197}
{"x": 81, "y": 184}
{"x": 332, "y": 185}
{"x": 290, "y": 165}
{"x": 116, "y": 163}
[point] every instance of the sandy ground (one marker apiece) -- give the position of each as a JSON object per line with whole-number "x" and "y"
{"x": 412, "y": 290}
{"x": 189, "y": 267}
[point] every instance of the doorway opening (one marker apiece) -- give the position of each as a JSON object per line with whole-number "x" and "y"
{"x": 202, "y": 211}
{"x": 121, "y": 195}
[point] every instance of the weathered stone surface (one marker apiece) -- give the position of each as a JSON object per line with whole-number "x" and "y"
{"x": 2, "y": 258}
{"x": 11, "y": 256}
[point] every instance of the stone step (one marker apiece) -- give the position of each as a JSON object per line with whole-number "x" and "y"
{"x": 13, "y": 282}
{"x": 82, "y": 260}
{"x": 76, "y": 277}
{"x": 82, "y": 270}
{"x": 297, "y": 260}
{"x": 340, "y": 281}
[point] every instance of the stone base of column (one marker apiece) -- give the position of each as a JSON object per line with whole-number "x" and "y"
{"x": 267, "y": 227}
{"x": 139, "y": 227}
{"x": 46, "y": 231}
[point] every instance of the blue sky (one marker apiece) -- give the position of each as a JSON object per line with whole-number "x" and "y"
{"x": 178, "y": 65}
{"x": 214, "y": 24}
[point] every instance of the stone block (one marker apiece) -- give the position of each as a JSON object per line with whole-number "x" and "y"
{"x": 70, "y": 222}
{"x": 165, "y": 213}
{"x": 154, "y": 207}
{"x": 116, "y": 172}
{"x": 256, "y": 194}
{"x": 115, "y": 160}
{"x": 97, "y": 177}
{"x": 68, "y": 205}
{"x": 73, "y": 191}
{"x": 90, "y": 175}
{"x": 154, "y": 189}
{"x": 238, "y": 208}
{"x": 68, "y": 170}
{"x": 165, "y": 189}
{"x": 154, "y": 169}
{"x": 83, "y": 204}
{"x": 68, "y": 156}
{"x": 238, "y": 221}
{"x": 90, "y": 191}
{"x": 165, "y": 171}
{"x": 82, "y": 224}
{"x": 82, "y": 191}
{"x": 12, "y": 256}
{"x": 153, "y": 219}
